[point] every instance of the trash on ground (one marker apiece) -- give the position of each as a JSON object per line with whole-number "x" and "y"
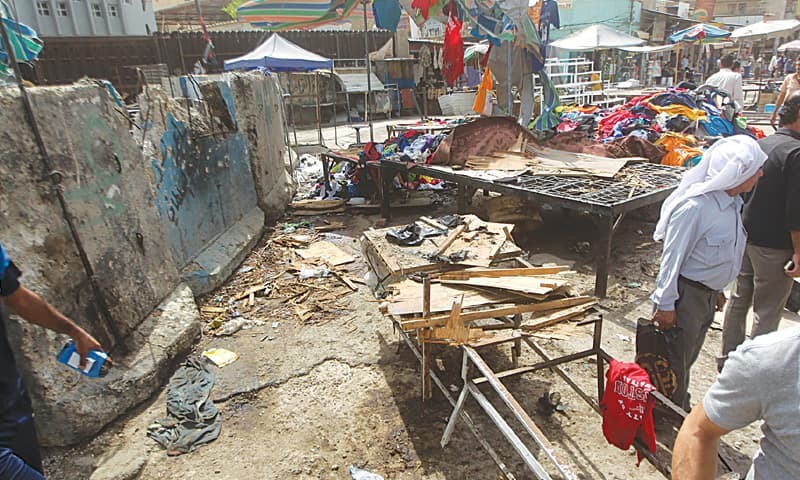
{"x": 221, "y": 356}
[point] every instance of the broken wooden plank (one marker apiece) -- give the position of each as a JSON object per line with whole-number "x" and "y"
{"x": 433, "y": 223}
{"x": 556, "y": 317}
{"x": 450, "y": 239}
{"x": 522, "y": 284}
{"x": 440, "y": 320}
{"x": 409, "y": 299}
{"x": 212, "y": 310}
{"x": 497, "y": 338}
{"x": 343, "y": 278}
{"x": 326, "y": 251}
{"x": 246, "y": 293}
{"x": 501, "y": 272}
{"x": 318, "y": 204}
{"x": 455, "y": 332}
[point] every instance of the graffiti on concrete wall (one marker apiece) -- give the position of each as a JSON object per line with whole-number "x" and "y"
{"x": 99, "y": 142}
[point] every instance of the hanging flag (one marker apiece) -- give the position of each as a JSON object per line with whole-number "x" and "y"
{"x": 387, "y": 14}
{"x": 452, "y": 51}
{"x": 483, "y": 99}
{"x": 548, "y": 118}
{"x": 24, "y": 40}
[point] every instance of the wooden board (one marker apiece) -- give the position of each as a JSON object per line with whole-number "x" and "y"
{"x": 400, "y": 260}
{"x": 318, "y": 204}
{"x": 524, "y": 284}
{"x": 408, "y": 300}
{"x": 326, "y": 251}
{"x": 501, "y": 272}
{"x": 549, "y": 161}
{"x": 439, "y": 320}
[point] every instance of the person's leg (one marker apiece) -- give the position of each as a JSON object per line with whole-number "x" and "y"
{"x": 735, "y": 323}
{"x": 18, "y": 433}
{"x": 694, "y": 313}
{"x": 14, "y": 468}
{"x": 772, "y": 288}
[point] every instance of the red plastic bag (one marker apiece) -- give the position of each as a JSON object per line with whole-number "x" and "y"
{"x": 453, "y": 51}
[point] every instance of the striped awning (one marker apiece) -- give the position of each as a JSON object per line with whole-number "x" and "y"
{"x": 276, "y": 15}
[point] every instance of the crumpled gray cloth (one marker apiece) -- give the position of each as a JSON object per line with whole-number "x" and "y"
{"x": 192, "y": 420}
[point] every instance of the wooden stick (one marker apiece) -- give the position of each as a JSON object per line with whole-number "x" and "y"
{"x": 502, "y": 272}
{"x": 441, "y": 320}
{"x": 433, "y": 223}
{"x": 426, "y": 296}
{"x": 450, "y": 239}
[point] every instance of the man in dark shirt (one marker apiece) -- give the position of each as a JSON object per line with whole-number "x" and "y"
{"x": 19, "y": 446}
{"x": 772, "y": 220}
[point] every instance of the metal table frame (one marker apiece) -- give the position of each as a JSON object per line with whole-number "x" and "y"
{"x": 471, "y": 359}
{"x": 551, "y": 189}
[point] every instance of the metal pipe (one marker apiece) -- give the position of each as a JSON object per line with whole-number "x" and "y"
{"x": 369, "y": 75}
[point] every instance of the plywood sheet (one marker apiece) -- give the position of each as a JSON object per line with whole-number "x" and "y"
{"x": 408, "y": 300}
{"x": 401, "y": 260}
{"x": 326, "y": 251}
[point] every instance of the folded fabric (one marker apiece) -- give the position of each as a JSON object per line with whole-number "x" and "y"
{"x": 690, "y": 113}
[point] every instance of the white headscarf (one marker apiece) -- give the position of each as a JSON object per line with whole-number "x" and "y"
{"x": 727, "y": 164}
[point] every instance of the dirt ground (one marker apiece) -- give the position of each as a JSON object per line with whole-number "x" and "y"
{"x": 308, "y": 400}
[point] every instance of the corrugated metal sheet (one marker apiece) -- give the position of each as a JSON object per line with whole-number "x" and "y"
{"x": 357, "y": 82}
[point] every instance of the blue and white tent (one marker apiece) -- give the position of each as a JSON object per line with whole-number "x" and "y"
{"x": 280, "y": 55}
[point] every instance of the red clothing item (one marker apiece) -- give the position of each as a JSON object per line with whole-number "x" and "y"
{"x": 452, "y": 51}
{"x": 628, "y": 407}
{"x": 606, "y": 124}
{"x": 423, "y": 6}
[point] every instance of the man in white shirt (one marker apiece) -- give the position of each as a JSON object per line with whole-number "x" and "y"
{"x": 728, "y": 80}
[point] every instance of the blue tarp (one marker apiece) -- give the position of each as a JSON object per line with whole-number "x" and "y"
{"x": 279, "y": 54}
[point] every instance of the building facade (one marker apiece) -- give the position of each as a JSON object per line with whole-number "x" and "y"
{"x": 87, "y": 18}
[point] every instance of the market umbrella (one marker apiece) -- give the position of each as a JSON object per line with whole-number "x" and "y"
{"x": 698, "y": 32}
{"x": 596, "y": 37}
{"x": 794, "y": 45}
{"x": 765, "y": 29}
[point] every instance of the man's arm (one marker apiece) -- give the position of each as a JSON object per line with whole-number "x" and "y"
{"x": 694, "y": 456}
{"x": 679, "y": 239}
{"x": 738, "y": 91}
{"x": 35, "y": 309}
{"x": 778, "y": 103}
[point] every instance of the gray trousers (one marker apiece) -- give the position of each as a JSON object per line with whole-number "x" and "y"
{"x": 763, "y": 284}
{"x": 694, "y": 312}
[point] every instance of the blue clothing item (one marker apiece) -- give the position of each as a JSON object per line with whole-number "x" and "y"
{"x": 704, "y": 242}
{"x": 717, "y": 127}
{"x": 11, "y": 387}
{"x": 14, "y": 468}
{"x": 387, "y": 14}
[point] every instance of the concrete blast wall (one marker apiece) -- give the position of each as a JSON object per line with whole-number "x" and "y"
{"x": 219, "y": 167}
{"x": 188, "y": 207}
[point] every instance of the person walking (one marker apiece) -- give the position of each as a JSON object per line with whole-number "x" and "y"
{"x": 772, "y": 219}
{"x": 728, "y": 80}
{"x": 790, "y": 85}
{"x": 704, "y": 240}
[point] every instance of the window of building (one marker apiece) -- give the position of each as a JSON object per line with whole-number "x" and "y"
{"x": 43, "y": 9}
{"x": 112, "y": 10}
{"x": 62, "y": 10}
{"x": 97, "y": 11}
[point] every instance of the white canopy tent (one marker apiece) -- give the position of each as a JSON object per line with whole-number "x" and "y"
{"x": 649, "y": 48}
{"x": 596, "y": 37}
{"x": 765, "y": 29}
{"x": 792, "y": 46}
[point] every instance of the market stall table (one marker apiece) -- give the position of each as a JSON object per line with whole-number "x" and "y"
{"x": 637, "y": 185}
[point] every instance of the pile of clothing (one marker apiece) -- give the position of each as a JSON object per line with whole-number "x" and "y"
{"x": 411, "y": 146}
{"x": 670, "y": 126}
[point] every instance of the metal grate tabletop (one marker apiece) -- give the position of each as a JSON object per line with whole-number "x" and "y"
{"x": 632, "y": 182}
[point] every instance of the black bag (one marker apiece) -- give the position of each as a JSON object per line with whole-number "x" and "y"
{"x": 653, "y": 355}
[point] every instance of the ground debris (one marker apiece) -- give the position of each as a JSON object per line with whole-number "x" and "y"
{"x": 276, "y": 283}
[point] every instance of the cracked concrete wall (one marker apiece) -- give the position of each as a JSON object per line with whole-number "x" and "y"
{"x": 108, "y": 193}
{"x": 220, "y": 166}
{"x": 261, "y": 118}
